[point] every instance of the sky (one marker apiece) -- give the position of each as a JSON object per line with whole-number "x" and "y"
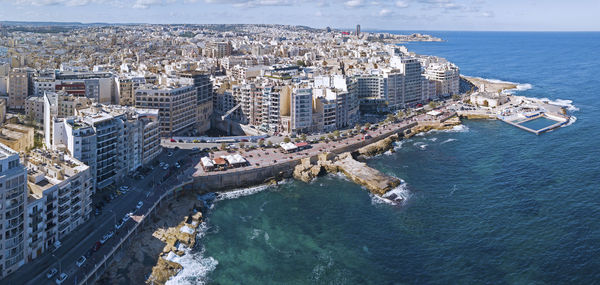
{"x": 476, "y": 15}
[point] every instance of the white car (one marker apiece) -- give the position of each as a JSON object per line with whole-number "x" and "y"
{"x": 51, "y": 273}
{"x": 139, "y": 205}
{"x": 80, "y": 261}
{"x": 104, "y": 239}
{"x": 126, "y": 218}
{"x": 166, "y": 166}
{"x": 124, "y": 188}
{"x": 177, "y": 165}
{"x": 61, "y": 278}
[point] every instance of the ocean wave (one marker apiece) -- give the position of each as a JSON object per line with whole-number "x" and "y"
{"x": 457, "y": 129}
{"x": 433, "y": 139}
{"x": 572, "y": 120}
{"x": 398, "y": 196}
{"x": 421, "y": 145}
{"x": 568, "y": 104}
{"x": 447, "y": 141}
{"x": 234, "y": 194}
{"x": 523, "y": 87}
{"x": 196, "y": 266}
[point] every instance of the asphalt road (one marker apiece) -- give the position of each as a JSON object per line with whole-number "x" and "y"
{"x": 79, "y": 242}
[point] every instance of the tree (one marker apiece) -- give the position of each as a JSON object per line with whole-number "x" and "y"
{"x": 223, "y": 146}
{"x": 455, "y": 97}
{"x": 322, "y": 138}
{"x": 270, "y": 143}
{"x": 485, "y": 103}
{"x": 336, "y": 133}
{"x": 400, "y": 114}
{"x": 287, "y": 140}
{"x": 261, "y": 142}
{"x": 330, "y": 136}
{"x": 303, "y": 137}
{"x": 433, "y": 104}
{"x": 357, "y": 127}
{"x": 368, "y": 125}
{"x": 390, "y": 118}
{"x": 242, "y": 144}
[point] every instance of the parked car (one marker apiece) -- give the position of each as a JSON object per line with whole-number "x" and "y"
{"x": 61, "y": 278}
{"x": 80, "y": 261}
{"x": 126, "y": 218}
{"x": 51, "y": 273}
{"x": 170, "y": 154}
{"x": 97, "y": 246}
{"x": 124, "y": 188}
{"x": 119, "y": 224}
{"x": 139, "y": 205}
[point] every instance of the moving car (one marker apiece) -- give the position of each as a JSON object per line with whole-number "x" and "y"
{"x": 51, "y": 273}
{"x": 80, "y": 261}
{"x": 61, "y": 278}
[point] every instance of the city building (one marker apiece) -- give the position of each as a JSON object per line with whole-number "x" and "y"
{"x": 13, "y": 198}
{"x": 17, "y": 137}
{"x": 177, "y": 106}
{"x": 18, "y": 88}
{"x": 112, "y": 140}
{"x": 59, "y": 201}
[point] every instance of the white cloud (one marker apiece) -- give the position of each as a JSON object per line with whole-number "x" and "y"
{"x": 401, "y": 4}
{"x": 354, "y": 3}
{"x": 385, "y": 12}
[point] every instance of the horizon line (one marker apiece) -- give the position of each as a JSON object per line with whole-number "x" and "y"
{"x": 365, "y": 29}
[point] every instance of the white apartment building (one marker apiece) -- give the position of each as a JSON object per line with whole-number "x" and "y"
{"x": 301, "y": 110}
{"x": 13, "y": 198}
{"x": 60, "y": 189}
{"x": 446, "y": 76}
{"x": 112, "y": 140}
{"x": 177, "y": 106}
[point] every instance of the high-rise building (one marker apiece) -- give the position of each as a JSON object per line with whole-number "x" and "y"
{"x": 112, "y": 140}
{"x": 18, "y": 88}
{"x": 13, "y": 198}
{"x": 358, "y": 30}
{"x": 446, "y": 77}
{"x": 176, "y": 105}
{"x": 204, "y": 93}
{"x": 60, "y": 198}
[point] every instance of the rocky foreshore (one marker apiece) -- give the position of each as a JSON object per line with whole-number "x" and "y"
{"x": 359, "y": 172}
{"x": 161, "y": 237}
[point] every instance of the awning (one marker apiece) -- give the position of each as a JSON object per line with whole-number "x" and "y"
{"x": 207, "y": 162}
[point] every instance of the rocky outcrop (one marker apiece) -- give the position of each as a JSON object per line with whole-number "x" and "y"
{"x": 183, "y": 234}
{"x": 379, "y": 147}
{"x": 163, "y": 271}
{"x": 359, "y": 172}
{"x": 377, "y": 182}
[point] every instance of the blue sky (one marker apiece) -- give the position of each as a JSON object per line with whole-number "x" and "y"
{"x": 488, "y": 15}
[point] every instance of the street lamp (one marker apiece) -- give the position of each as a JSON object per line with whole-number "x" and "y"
{"x": 59, "y": 265}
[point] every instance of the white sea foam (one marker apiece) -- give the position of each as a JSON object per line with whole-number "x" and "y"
{"x": 433, "y": 139}
{"x": 447, "y": 141}
{"x": 457, "y": 129}
{"x": 398, "y": 145}
{"x": 234, "y": 194}
{"x": 421, "y": 145}
{"x": 568, "y": 104}
{"x": 195, "y": 265}
{"x": 397, "y": 196}
{"x": 572, "y": 120}
{"x": 523, "y": 87}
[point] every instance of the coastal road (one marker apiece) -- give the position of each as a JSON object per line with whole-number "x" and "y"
{"x": 80, "y": 241}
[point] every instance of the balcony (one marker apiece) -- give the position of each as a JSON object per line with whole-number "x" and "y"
{"x": 61, "y": 210}
{"x": 35, "y": 212}
{"x": 63, "y": 218}
{"x": 12, "y": 242}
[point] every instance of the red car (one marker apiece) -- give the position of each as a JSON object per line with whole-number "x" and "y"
{"x": 173, "y": 140}
{"x": 97, "y": 246}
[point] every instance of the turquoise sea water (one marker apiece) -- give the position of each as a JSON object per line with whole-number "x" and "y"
{"x": 487, "y": 203}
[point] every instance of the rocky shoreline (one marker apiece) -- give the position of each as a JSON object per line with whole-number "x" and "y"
{"x": 168, "y": 234}
{"x": 352, "y": 164}
{"x": 161, "y": 237}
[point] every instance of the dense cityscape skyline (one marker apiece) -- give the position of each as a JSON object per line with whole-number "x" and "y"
{"x": 373, "y": 15}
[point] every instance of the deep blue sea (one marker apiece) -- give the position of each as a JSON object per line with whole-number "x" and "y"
{"x": 487, "y": 203}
